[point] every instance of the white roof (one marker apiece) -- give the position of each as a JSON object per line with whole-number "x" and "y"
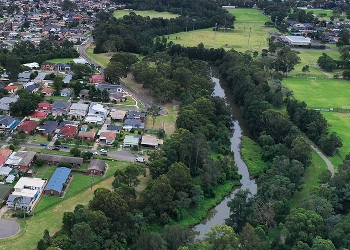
{"x": 98, "y": 107}
{"x": 79, "y": 60}
{"x": 26, "y": 192}
{"x": 93, "y": 119}
{"x": 298, "y": 39}
{"x": 32, "y": 65}
{"x": 5, "y": 170}
{"x": 13, "y": 160}
{"x": 29, "y": 182}
{"x": 10, "y": 178}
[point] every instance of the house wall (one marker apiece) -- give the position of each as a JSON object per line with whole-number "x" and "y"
{"x": 52, "y": 192}
{"x": 94, "y": 172}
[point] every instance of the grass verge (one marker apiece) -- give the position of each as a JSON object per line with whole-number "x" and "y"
{"x": 310, "y": 179}
{"x": 251, "y": 153}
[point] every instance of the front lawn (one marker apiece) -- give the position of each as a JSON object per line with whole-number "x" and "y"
{"x": 39, "y": 139}
{"x": 57, "y": 98}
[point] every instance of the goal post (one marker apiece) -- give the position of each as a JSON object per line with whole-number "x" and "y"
{"x": 312, "y": 78}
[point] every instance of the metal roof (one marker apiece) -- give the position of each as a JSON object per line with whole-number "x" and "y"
{"x": 58, "y": 178}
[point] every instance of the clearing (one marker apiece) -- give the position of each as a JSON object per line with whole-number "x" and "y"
{"x": 145, "y": 13}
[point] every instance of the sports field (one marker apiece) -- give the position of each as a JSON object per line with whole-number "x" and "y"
{"x": 249, "y": 22}
{"x": 150, "y": 13}
{"x": 320, "y": 93}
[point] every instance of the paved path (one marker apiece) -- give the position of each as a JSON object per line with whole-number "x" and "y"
{"x": 322, "y": 155}
{"x": 8, "y": 228}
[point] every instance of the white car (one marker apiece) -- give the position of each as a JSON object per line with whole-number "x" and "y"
{"x": 103, "y": 151}
{"x": 140, "y": 159}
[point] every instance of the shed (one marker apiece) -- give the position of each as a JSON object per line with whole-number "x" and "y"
{"x": 10, "y": 178}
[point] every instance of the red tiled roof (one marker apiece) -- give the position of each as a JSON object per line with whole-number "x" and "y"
{"x": 44, "y": 106}
{"x": 5, "y": 152}
{"x": 68, "y": 130}
{"x": 38, "y": 114}
{"x": 109, "y": 135}
{"x": 28, "y": 126}
{"x": 47, "y": 90}
{"x": 12, "y": 87}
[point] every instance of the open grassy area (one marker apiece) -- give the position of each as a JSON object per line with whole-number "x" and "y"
{"x": 144, "y": 13}
{"x": 340, "y": 123}
{"x": 320, "y": 93}
{"x": 57, "y": 98}
{"x": 60, "y": 60}
{"x": 251, "y": 154}
{"x": 39, "y": 139}
{"x": 166, "y": 122}
{"x": 45, "y": 172}
{"x": 49, "y": 217}
{"x": 310, "y": 179}
{"x": 237, "y": 38}
{"x": 310, "y": 57}
{"x": 102, "y": 59}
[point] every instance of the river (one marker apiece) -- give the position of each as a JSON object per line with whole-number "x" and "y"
{"x": 218, "y": 214}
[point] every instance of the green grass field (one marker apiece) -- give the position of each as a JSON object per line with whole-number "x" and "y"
{"x": 237, "y": 38}
{"x": 102, "y": 59}
{"x": 60, "y": 60}
{"x": 57, "y": 98}
{"x": 150, "y": 13}
{"x": 310, "y": 179}
{"x": 251, "y": 154}
{"x": 320, "y": 93}
{"x": 310, "y": 57}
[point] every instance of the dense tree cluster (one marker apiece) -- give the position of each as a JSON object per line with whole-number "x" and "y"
{"x": 26, "y": 104}
{"x": 139, "y": 34}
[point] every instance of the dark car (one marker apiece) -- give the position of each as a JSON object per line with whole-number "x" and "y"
{"x": 104, "y": 153}
{"x": 43, "y": 144}
{"x": 56, "y": 148}
{"x": 65, "y": 146}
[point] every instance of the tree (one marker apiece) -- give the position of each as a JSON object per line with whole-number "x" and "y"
{"x": 240, "y": 209}
{"x": 57, "y": 85}
{"x": 68, "y": 221}
{"x": 150, "y": 241}
{"x": 114, "y": 71}
{"x": 221, "y": 237}
{"x": 87, "y": 155}
{"x": 83, "y": 236}
{"x": 303, "y": 225}
{"x": 253, "y": 239}
{"x": 153, "y": 111}
{"x": 13, "y": 66}
{"x": 322, "y": 244}
{"x": 176, "y": 236}
{"x": 39, "y": 162}
{"x": 180, "y": 177}
{"x": 344, "y": 38}
{"x": 105, "y": 96}
{"x": 75, "y": 152}
{"x": 287, "y": 59}
{"x": 326, "y": 62}
{"x": 329, "y": 145}
{"x": 306, "y": 68}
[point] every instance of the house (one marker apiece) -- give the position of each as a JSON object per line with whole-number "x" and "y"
{"x": 66, "y": 92}
{"x": 49, "y": 159}
{"x": 5, "y": 103}
{"x": 115, "y": 128}
{"x": 84, "y": 94}
{"x": 47, "y": 66}
{"x": 37, "y": 115}
{"x": 44, "y": 107}
{"x": 150, "y": 141}
{"x": 136, "y": 115}
{"x": 97, "y": 114}
{"x": 96, "y": 167}
{"x": 133, "y": 124}
{"x": 67, "y": 79}
{"x": 87, "y": 135}
{"x": 78, "y": 110}
{"x": 48, "y": 127}
{"x": 118, "y": 115}
{"x": 29, "y": 189}
{"x": 47, "y": 91}
{"x": 107, "y": 137}
{"x": 58, "y": 181}
{"x": 130, "y": 141}
{"x": 96, "y": 79}
{"x": 21, "y": 160}
{"x": 60, "y": 108}
{"x": 62, "y": 67}
{"x": 11, "y": 89}
{"x": 7, "y": 123}
{"x": 5, "y": 171}
{"x": 117, "y": 97}
{"x": 109, "y": 87}
{"x": 24, "y": 76}
{"x": 27, "y": 127}
{"x": 32, "y": 88}
{"x": 68, "y": 131}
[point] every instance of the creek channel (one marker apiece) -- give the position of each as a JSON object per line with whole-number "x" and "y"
{"x": 220, "y": 212}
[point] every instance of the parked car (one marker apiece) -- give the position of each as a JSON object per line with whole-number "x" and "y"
{"x": 140, "y": 159}
{"x": 65, "y": 146}
{"x": 55, "y": 148}
{"x": 43, "y": 144}
{"x": 103, "y": 151}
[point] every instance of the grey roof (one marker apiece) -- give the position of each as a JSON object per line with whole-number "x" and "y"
{"x": 135, "y": 123}
{"x": 109, "y": 87}
{"x": 64, "y": 123}
{"x": 4, "y": 107}
{"x": 61, "y": 158}
{"x": 84, "y": 92}
{"x": 60, "y": 105}
{"x": 8, "y": 100}
{"x": 67, "y": 79}
{"x": 97, "y": 164}
{"x": 134, "y": 114}
{"x": 48, "y": 127}
{"x": 25, "y": 200}
{"x": 32, "y": 87}
{"x": 24, "y": 75}
{"x": 6, "y": 120}
{"x": 114, "y": 127}
{"x": 27, "y": 157}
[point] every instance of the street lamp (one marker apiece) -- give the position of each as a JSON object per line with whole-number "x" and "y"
{"x": 186, "y": 23}
{"x": 194, "y": 20}
{"x": 216, "y": 26}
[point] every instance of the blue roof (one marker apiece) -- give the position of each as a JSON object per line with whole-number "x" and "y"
{"x": 58, "y": 178}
